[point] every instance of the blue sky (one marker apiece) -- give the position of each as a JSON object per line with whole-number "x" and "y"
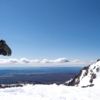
{"x": 51, "y": 28}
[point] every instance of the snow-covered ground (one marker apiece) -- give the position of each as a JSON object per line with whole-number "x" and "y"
{"x": 50, "y": 92}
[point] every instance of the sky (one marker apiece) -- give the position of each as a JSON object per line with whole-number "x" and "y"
{"x": 51, "y": 29}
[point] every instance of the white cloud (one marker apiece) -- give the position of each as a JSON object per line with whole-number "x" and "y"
{"x": 44, "y": 61}
{"x": 61, "y": 60}
{"x": 14, "y": 61}
{"x": 24, "y": 60}
{"x": 3, "y": 61}
{"x": 50, "y": 92}
{"x": 34, "y": 62}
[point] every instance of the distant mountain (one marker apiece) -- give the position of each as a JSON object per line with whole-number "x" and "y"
{"x": 88, "y": 76}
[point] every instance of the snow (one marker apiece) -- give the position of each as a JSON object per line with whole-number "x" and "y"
{"x": 50, "y": 92}
{"x": 84, "y": 81}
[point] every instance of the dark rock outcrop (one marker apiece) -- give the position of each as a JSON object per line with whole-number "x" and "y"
{"x": 4, "y": 49}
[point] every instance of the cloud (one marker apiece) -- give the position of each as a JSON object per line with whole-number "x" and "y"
{"x": 61, "y": 60}
{"x": 34, "y": 62}
{"x": 14, "y": 61}
{"x": 3, "y": 61}
{"x": 58, "y": 60}
{"x": 24, "y": 60}
{"x": 44, "y": 61}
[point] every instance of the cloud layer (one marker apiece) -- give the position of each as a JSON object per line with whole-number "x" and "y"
{"x": 34, "y": 62}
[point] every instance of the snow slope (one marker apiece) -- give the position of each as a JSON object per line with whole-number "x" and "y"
{"x": 50, "y": 92}
{"x": 88, "y": 76}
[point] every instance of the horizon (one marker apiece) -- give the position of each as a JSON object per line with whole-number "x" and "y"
{"x": 50, "y": 32}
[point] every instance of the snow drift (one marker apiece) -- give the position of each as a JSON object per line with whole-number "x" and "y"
{"x": 50, "y": 92}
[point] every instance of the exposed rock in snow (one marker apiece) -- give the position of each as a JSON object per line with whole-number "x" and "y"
{"x": 88, "y": 76}
{"x": 10, "y": 85}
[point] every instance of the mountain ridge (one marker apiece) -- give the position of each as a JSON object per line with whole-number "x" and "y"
{"x": 88, "y": 76}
